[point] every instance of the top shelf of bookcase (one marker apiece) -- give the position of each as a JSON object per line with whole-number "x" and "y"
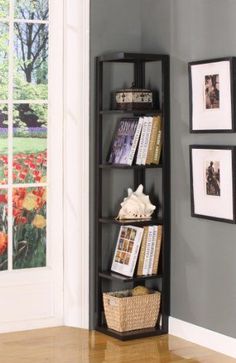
{"x": 132, "y": 112}
{"x": 132, "y": 57}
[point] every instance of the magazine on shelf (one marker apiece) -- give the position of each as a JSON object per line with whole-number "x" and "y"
{"x": 121, "y": 147}
{"x": 127, "y": 250}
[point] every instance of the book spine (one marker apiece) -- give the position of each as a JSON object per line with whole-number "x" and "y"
{"x": 148, "y": 251}
{"x": 146, "y": 140}
{"x": 152, "y": 142}
{"x": 157, "y": 250}
{"x": 137, "y": 243}
{"x": 157, "y": 153}
{"x": 153, "y": 246}
{"x": 142, "y": 252}
{"x": 135, "y": 141}
{"x": 140, "y": 148}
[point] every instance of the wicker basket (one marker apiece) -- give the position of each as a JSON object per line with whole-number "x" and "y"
{"x": 131, "y": 313}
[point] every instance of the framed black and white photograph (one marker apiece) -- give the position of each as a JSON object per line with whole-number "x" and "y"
{"x": 212, "y": 89}
{"x": 212, "y": 171}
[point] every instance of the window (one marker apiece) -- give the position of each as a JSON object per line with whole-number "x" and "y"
{"x": 24, "y": 32}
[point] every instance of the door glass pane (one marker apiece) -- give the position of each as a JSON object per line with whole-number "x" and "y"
{"x": 31, "y": 61}
{"x": 4, "y": 8}
{"x": 30, "y": 143}
{"x": 31, "y": 9}
{"x": 4, "y": 61}
{"x": 3, "y": 230}
{"x": 3, "y": 144}
{"x": 29, "y": 227}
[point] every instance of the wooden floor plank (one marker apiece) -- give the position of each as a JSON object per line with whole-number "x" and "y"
{"x": 70, "y": 345}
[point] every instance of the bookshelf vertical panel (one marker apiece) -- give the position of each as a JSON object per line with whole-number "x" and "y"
{"x": 111, "y": 182}
{"x": 98, "y": 190}
{"x": 166, "y": 192}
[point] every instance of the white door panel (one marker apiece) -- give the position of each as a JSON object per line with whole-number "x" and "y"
{"x": 33, "y": 297}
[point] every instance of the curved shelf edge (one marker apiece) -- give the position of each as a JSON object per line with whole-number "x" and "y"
{"x": 109, "y": 275}
{"x": 123, "y": 166}
{"x": 135, "y": 222}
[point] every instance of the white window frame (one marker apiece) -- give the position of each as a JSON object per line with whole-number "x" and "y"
{"x": 73, "y": 224}
{"x": 44, "y": 285}
{"x": 76, "y": 163}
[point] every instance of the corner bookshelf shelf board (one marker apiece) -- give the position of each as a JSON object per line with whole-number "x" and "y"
{"x": 132, "y": 112}
{"x": 131, "y": 57}
{"x": 122, "y": 166}
{"x": 140, "y": 176}
{"x": 114, "y": 276}
{"x": 134, "y": 334}
{"x": 133, "y": 222}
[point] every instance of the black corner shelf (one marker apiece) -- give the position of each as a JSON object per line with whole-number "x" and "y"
{"x": 109, "y": 275}
{"x": 104, "y": 115}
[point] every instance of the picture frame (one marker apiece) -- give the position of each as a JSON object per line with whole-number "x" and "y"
{"x": 212, "y": 178}
{"x": 211, "y": 95}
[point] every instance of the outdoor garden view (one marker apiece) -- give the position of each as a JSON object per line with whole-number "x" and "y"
{"x": 23, "y": 131}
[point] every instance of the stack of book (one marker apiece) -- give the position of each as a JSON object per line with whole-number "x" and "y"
{"x": 137, "y": 247}
{"x": 137, "y": 140}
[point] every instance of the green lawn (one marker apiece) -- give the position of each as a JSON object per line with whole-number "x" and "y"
{"x": 24, "y": 145}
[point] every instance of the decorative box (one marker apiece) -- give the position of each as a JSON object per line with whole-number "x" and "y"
{"x": 132, "y": 99}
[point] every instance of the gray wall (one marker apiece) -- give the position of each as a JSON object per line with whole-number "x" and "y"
{"x": 203, "y": 270}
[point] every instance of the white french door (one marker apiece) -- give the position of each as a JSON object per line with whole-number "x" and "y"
{"x": 31, "y": 190}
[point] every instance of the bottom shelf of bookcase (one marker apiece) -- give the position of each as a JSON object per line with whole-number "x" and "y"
{"x": 129, "y": 335}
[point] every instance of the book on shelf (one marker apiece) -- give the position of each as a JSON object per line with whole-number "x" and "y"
{"x": 152, "y": 249}
{"x": 137, "y": 246}
{"x": 135, "y": 141}
{"x": 137, "y": 136}
{"x": 142, "y": 252}
{"x": 153, "y": 140}
{"x": 141, "y": 142}
{"x": 158, "y": 145}
{"x": 149, "y": 148}
{"x": 146, "y": 139}
{"x": 157, "y": 250}
{"x": 124, "y": 140}
{"x": 127, "y": 250}
{"x": 149, "y": 251}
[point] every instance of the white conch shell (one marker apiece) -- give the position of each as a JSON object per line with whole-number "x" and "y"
{"x": 136, "y": 205}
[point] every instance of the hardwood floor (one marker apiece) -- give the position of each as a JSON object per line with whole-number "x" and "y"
{"x": 69, "y": 345}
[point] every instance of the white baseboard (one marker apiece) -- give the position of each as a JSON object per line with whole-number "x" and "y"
{"x": 11, "y": 327}
{"x": 207, "y": 338}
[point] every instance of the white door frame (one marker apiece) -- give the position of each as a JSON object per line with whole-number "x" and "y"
{"x": 76, "y": 163}
{"x": 33, "y": 298}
